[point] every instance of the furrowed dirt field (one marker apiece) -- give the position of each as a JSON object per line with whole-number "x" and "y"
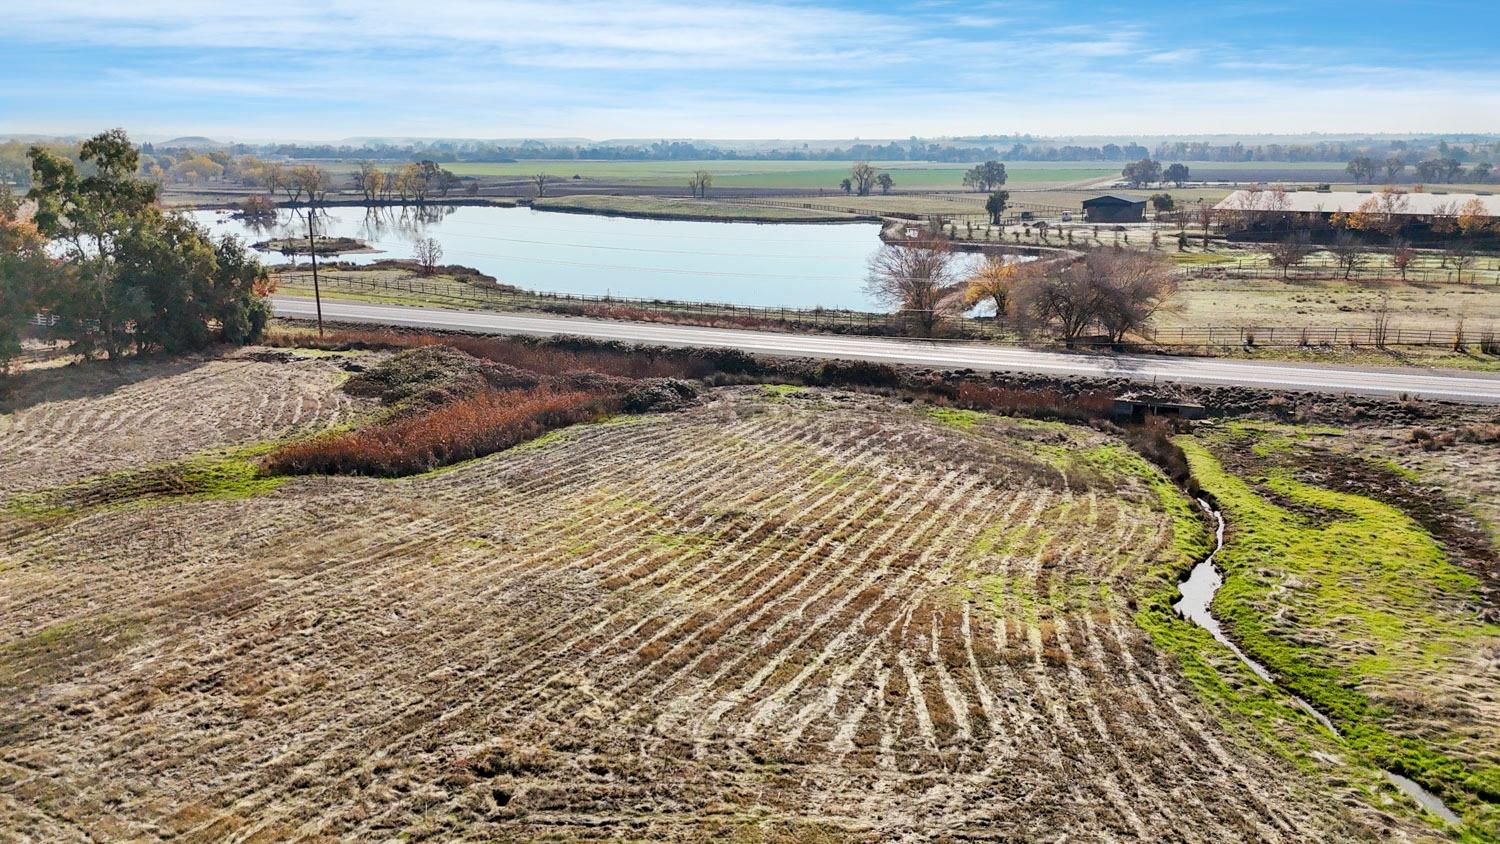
{"x": 70, "y": 423}
{"x": 781, "y": 615}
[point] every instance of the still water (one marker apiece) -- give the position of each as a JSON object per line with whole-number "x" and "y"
{"x": 777, "y": 265}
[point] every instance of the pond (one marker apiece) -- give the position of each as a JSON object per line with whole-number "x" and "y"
{"x": 778, "y": 265}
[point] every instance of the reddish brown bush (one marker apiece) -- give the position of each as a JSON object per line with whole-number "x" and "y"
{"x": 1046, "y": 404}
{"x": 459, "y": 430}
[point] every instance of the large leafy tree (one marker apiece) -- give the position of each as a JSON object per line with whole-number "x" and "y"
{"x": 24, "y": 267}
{"x": 139, "y": 277}
{"x": 985, "y": 177}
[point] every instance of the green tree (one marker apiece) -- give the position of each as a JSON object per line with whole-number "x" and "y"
{"x": 1363, "y": 168}
{"x": 886, "y": 182}
{"x": 24, "y": 267}
{"x": 995, "y": 205}
{"x": 133, "y": 275}
{"x": 985, "y": 177}
{"x": 1143, "y": 172}
{"x": 1176, "y": 174}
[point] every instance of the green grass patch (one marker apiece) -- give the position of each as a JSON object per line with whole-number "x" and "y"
{"x": 957, "y": 418}
{"x": 229, "y": 474}
{"x": 1332, "y": 591}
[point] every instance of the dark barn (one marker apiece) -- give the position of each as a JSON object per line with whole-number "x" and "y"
{"x": 1114, "y": 209}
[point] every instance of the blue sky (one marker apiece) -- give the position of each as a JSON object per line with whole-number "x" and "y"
{"x": 616, "y": 69}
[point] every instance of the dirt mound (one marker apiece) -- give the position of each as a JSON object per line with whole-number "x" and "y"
{"x": 660, "y": 395}
{"x": 435, "y": 374}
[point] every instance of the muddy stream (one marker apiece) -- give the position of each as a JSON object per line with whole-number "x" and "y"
{"x": 1198, "y": 591}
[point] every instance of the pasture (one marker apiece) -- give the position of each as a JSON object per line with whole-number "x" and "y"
{"x": 779, "y": 174}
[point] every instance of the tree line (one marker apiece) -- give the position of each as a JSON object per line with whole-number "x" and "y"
{"x": 1442, "y": 170}
{"x": 117, "y": 274}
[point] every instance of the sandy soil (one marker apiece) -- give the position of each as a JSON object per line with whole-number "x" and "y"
{"x": 774, "y": 617}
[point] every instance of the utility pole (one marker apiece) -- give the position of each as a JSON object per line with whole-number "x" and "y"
{"x": 312, "y": 249}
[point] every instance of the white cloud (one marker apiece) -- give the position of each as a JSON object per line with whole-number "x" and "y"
{"x": 678, "y": 68}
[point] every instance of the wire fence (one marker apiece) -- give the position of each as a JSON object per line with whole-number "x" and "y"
{"x": 622, "y": 307}
{"x": 1315, "y": 336}
{"x": 871, "y": 323}
{"x": 1473, "y": 273}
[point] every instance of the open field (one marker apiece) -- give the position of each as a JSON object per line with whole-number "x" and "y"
{"x": 1334, "y": 303}
{"x": 781, "y": 174}
{"x": 785, "y": 614}
{"x": 672, "y": 208}
{"x": 68, "y": 423}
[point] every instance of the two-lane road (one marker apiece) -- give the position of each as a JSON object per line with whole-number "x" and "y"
{"x": 1450, "y": 385}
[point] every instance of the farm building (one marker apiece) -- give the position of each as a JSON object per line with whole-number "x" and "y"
{"x": 1328, "y": 203}
{"x": 1114, "y": 209}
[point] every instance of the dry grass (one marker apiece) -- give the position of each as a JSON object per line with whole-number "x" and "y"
{"x": 67, "y": 424}
{"x": 830, "y": 617}
{"x": 544, "y": 357}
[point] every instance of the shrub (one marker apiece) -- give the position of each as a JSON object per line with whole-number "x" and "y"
{"x": 462, "y": 429}
{"x": 1043, "y": 404}
{"x": 855, "y": 373}
{"x": 435, "y": 374}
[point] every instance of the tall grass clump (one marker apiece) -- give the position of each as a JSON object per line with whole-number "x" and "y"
{"x": 554, "y": 356}
{"x": 1036, "y": 403}
{"x": 462, "y": 429}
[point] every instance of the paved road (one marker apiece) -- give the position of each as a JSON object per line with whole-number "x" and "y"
{"x": 1450, "y": 385}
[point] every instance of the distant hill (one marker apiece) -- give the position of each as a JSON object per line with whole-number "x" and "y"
{"x": 194, "y": 142}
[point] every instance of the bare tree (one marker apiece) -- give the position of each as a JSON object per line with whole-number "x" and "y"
{"x": 1291, "y": 251}
{"x": 917, "y": 277}
{"x": 1206, "y": 215}
{"x": 541, "y": 180}
{"x": 700, "y": 182}
{"x": 429, "y": 253}
{"x": 1117, "y": 292}
{"x": 864, "y": 177}
{"x": 275, "y": 177}
{"x": 1348, "y": 251}
{"x": 1382, "y": 328}
{"x": 1138, "y": 285}
{"x": 1402, "y": 256}
{"x": 1459, "y": 254}
{"x": 368, "y": 180}
{"x": 309, "y": 181}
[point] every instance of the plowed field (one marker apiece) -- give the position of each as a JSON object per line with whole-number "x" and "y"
{"x": 778, "y": 616}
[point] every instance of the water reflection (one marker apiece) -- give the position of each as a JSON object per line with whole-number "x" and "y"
{"x": 773, "y": 265}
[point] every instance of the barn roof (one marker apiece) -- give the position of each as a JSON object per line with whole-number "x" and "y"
{"x": 1417, "y": 204}
{"x": 1113, "y": 199}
